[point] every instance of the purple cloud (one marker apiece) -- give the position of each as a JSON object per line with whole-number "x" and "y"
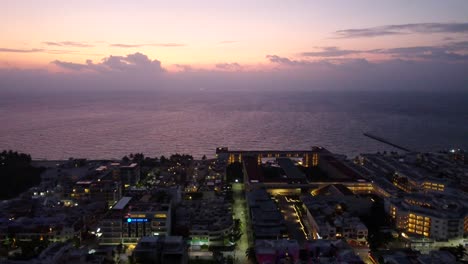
{"x": 184, "y": 67}
{"x": 20, "y": 50}
{"x": 68, "y": 44}
{"x": 453, "y": 52}
{"x": 167, "y": 45}
{"x": 229, "y": 66}
{"x": 388, "y": 30}
{"x": 70, "y": 65}
{"x": 139, "y": 72}
{"x": 119, "y": 45}
{"x": 330, "y": 52}
{"x": 136, "y": 62}
{"x": 285, "y": 61}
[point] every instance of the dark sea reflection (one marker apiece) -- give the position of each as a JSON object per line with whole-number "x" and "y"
{"x": 110, "y": 125}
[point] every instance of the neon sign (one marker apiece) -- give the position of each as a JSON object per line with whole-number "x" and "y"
{"x": 136, "y": 220}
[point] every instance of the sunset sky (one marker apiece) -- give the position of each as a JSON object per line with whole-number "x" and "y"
{"x": 209, "y": 37}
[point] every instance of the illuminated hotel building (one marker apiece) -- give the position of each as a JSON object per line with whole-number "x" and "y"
{"x": 130, "y": 175}
{"x": 409, "y": 185}
{"x": 430, "y": 185}
{"x": 428, "y": 216}
{"x": 128, "y": 221}
{"x": 146, "y": 220}
{"x": 309, "y": 157}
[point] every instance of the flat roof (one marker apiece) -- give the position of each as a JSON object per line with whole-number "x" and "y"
{"x": 291, "y": 171}
{"x": 121, "y": 203}
{"x": 254, "y": 172}
{"x": 343, "y": 189}
{"x": 131, "y": 166}
{"x": 84, "y": 182}
{"x": 314, "y": 149}
{"x": 343, "y": 168}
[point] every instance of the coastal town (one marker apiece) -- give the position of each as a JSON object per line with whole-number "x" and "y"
{"x": 237, "y": 206}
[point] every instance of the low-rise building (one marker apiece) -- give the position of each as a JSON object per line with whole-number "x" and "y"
{"x": 207, "y": 222}
{"x": 277, "y": 251}
{"x": 331, "y": 217}
{"x": 437, "y": 256}
{"x": 435, "y": 216}
{"x": 129, "y": 220}
{"x": 266, "y": 219}
{"x": 160, "y": 250}
{"x": 329, "y": 251}
{"x": 130, "y": 175}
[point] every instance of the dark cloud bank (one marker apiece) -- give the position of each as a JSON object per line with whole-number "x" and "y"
{"x": 389, "y": 30}
{"x": 451, "y": 52}
{"x": 428, "y": 68}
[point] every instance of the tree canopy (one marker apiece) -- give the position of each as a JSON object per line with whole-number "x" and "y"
{"x": 17, "y": 174}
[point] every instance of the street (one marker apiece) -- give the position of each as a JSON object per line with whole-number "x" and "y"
{"x": 239, "y": 209}
{"x": 294, "y": 225}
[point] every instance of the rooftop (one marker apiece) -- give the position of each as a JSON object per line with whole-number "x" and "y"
{"x": 290, "y": 169}
{"x": 122, "y": 203}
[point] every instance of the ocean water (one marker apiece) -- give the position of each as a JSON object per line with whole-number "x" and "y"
{"x": 112, "y": 124}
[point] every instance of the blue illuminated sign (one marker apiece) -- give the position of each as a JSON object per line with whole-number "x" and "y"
{"x": 136, "y": 220}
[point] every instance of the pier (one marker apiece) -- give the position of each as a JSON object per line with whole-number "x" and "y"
{"x": 386, "y": 142}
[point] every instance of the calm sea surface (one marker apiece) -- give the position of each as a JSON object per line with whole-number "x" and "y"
{"x": 110, "y": 125}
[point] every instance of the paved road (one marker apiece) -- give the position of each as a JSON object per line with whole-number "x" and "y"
{"x": 363, "y": 252}
{"x": 239, "y": 209}
{"x": 295, "y": 229}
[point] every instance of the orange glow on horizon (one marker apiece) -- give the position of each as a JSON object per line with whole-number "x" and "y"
{"x": 204, "y": 33}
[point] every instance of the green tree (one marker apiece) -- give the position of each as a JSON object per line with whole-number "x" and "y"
{"x": 250, "y": 254}
{"x": 138, "y": 158}
{"x": 374, "y": 222}
{"x": 204, "y": 247}
{"x": 17, "y": 174}
{"x": 459, "y": 251}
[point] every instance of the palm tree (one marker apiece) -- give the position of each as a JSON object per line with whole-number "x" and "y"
{"x": 250, "y": 254}
{"x": 460, "y": 252}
